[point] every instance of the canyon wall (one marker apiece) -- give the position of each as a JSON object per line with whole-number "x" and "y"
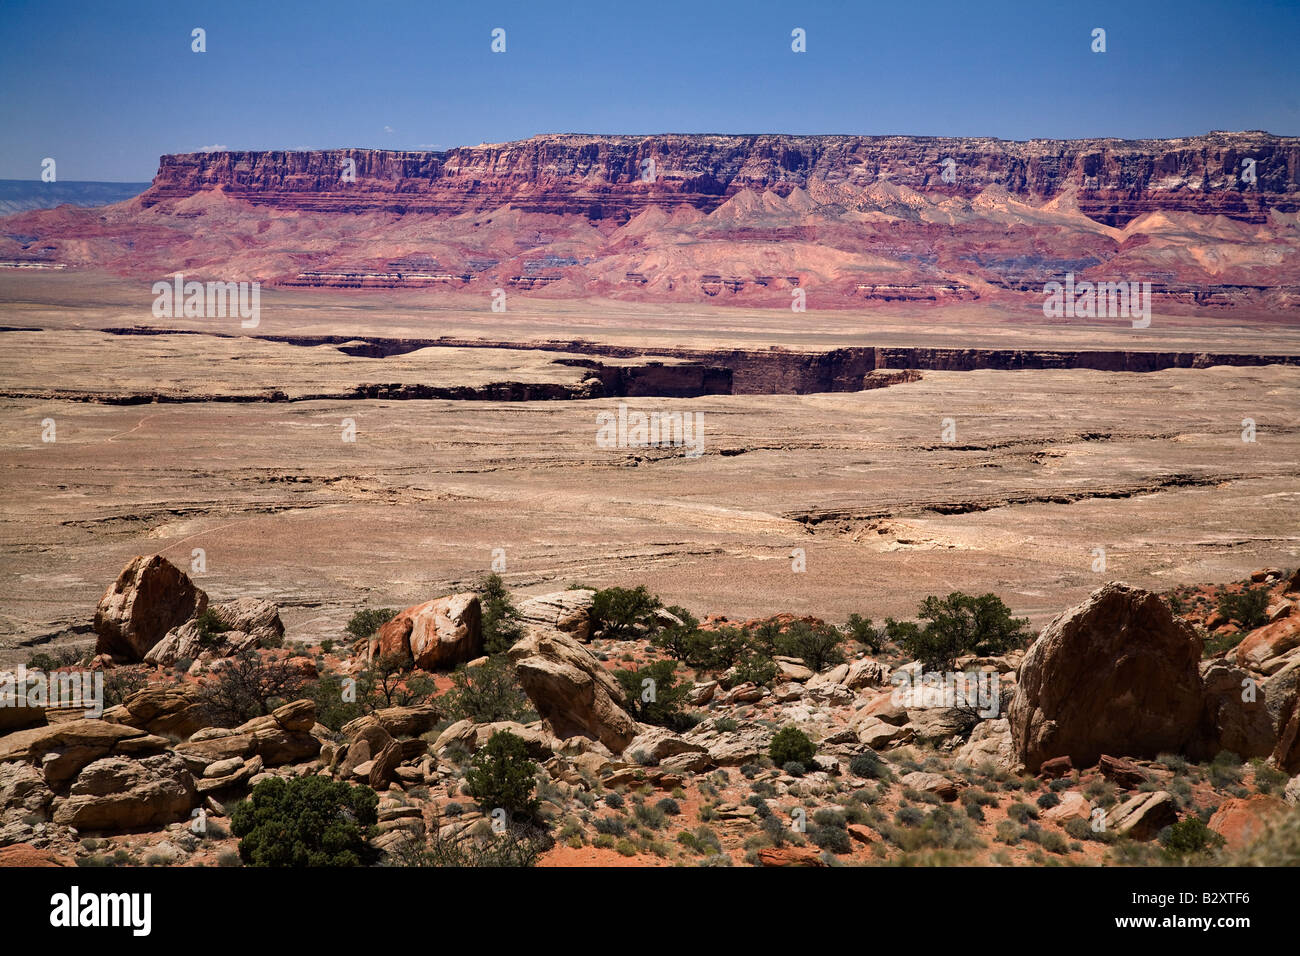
{"x": 606, "y": 176}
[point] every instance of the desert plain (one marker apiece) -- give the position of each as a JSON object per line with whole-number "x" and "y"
{"x": 207, "y": 442}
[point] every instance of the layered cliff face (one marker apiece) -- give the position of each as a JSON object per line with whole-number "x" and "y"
{"x": 1209, "y": 222}
{"x": 618, "y": 176}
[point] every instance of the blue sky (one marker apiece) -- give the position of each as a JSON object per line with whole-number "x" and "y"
{"x": 107, "y": 87}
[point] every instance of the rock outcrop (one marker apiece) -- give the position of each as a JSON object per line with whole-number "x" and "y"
{"x": 436, "y": 635}
{"x": 248, "y": 624}
{"x": 149, "y": 598}
{"x": 574, "y": 694}
{"x": 114, "y": 793}
{"x": 1116, "y": 674}
{"x": 602, "y": 176}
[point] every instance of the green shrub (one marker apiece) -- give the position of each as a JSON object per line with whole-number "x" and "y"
{"x": 860, "y": 629}
{"x": 1249, "y": 608}
{"x": 517, "y": 846}
{"x": 305, "y": 821}
{"x": 209, "y": 628}
{"x": 332, "y": 708}
{"x": 869, "y": 766}
{"x": 619, "y": 612}
{"x": 817, "y": 645}
{"x": 501, "y": 776}
{"x": 961, "y": 624}
{"x": 487, "y": 693}
{"x": 1188, "y": 836}
{"x": 654, "y": 696}
{"x": 834, "y": 839}
{"x": 365, "y": 622}
{"x": 790, "y": 744}
{"x": 501, "y": 622}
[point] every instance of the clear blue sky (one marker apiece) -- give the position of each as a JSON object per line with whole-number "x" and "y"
{"x": 106, "y": 87}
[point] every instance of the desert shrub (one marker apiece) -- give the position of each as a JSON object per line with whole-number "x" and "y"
{"x": 817, "y": 645}
{"x": 1225, "y": 770}
{"x": 501, "y": 776}
{"x": 860, "y": 629}
{"x": 209, "y": 628}
{"x": 720, "y": 649}
{"x": 619, "y": 612}
{"x": 774, "y": 828}
{"x": 1188, "y": 836}
{"x": 650, "y": 816}
{"x": 1048, "y": 800}
{"x": 501, "y": 622}
{"x": 333, "y": 709}
{"x": 1021, "y": 812}
{"x": 830, "y": 818}
{"x": 669, "y": 806}
{"x": 305, "y": 821}
{"x": 679, "y": 641}
{"x": 247, "y": 686}
{"x": 754, "y": 667}
{"x": 1078, "y": 829}
{"x": 487, "y": 693}
{"x": 121, "y": 682}
{"x": 834, "y": 839}
{"x": 1007, "y": 832}
{"x": 869, "y": 766}
{"x": 517, "y": 846}
{"x": 611, "y": 826}
{"x": 766, "y": 637}
{"x": 1249, "y": 608}
{"x": 59, "y": 659}
{"x": 790, "y": 744}
{"x": 614, "y": 799}
{"x": 368, "y": 620}
{"x": 391, "y": 683}
{"x": 661, "y": 701}
{"x": 1052, "y": 842}
{"x": 961, "y": 624}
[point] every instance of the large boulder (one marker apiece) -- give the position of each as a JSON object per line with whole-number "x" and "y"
{"x": 437, "y": 634}
{"x": 1116, "y": 674}
{"x": 565, "y": 611}
{"x": 1242, "y": 820}
{"x": 114, "y": 793}
{"x": 1263, "y": 646}
{"x": 1235, "y": 718}
{"x": 249, "y": 624}
{"x": 574, "y": 694}
{"x": 167, "y": 709}
{"x": 149, "y": 598}
{"x": 62, "y": 750}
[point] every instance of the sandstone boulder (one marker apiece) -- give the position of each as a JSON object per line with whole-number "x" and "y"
{"x": 571, "y": 690}
{"x": 1268, "y": 643}
{"x": 174, "y": 709}
{"x": 436, "y": 635}
{"x": 990, "y": 742}
{"x": 1116, "y": 674}
{"x": 1142, "y": 815}
{"x": 114, "y": 793}
{"x": 1235, "y": 717}
{"x": 249, "y": 624}
{"x": 566, "y": 611}
{"x": 1240, "y": 821}
{"x": 62, "y": 750}
{"x": 149, "y": 598}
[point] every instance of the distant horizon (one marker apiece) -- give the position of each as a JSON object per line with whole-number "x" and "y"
{"x": 506, "y": 142}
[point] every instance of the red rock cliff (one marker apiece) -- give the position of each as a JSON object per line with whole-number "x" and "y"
{"x": 603, "y": 176}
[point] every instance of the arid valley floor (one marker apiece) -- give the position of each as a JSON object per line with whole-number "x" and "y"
{"x": 1045, "y": 465}
{"x": 340, "y": 457}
